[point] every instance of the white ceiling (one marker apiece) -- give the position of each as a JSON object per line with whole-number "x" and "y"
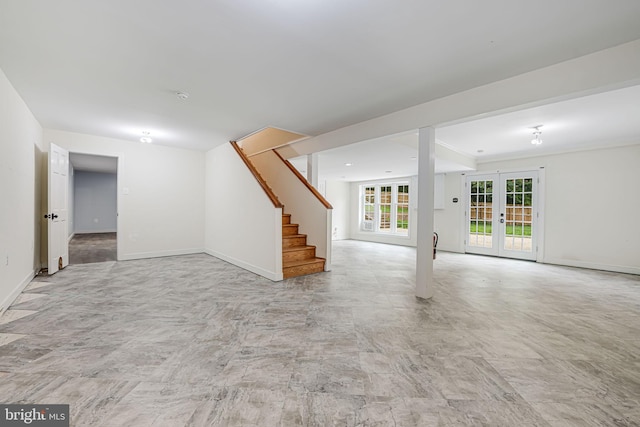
{"x": 606, "y": 119}
{"x": 112, "y": 68}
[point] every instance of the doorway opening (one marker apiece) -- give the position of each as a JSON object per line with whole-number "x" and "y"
{"x": 93, "y": 208}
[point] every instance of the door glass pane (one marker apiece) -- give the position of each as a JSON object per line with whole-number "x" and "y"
{"x": 518, "y": 214}
{"x": 480, "y": 213}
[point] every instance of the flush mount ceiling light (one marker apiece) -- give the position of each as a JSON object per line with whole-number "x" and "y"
{"x": 146, "y": 138}
{"x": 536, "y": 135}
{"x": 348, "y": 164}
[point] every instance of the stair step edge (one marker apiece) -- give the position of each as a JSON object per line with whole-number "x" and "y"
{"x": 302, "y": 262}
{"x": 298, "y": 248}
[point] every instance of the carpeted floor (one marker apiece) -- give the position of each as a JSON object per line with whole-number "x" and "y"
{"x": 92, "y": 247}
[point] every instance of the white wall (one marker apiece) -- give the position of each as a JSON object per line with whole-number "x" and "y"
{"x": 95, "y": 209}
{"x": 448, "y": 222}
{"x": 242, "y": 225}
{"x": 590, "y": 208}
{"x": 160, "y": 194}
{"x": 338, "y": 193}
{"x": 71, "y": 201}
{"x": 20, "y": 169}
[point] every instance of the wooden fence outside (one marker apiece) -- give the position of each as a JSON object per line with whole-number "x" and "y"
{"x": 517, "y": 214}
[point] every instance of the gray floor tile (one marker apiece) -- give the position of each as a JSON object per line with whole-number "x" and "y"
{"x": 194, "y": 341}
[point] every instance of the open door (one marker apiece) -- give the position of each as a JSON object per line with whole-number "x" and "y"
{"x": 57, "y": 214}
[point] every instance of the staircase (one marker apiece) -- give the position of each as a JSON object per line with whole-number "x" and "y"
{"x": 298, "y": 258}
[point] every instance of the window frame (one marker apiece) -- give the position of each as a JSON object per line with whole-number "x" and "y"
{"x": 393, "y": 205}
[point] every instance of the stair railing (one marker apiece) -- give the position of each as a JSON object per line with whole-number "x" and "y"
{"x": 257, "y": 176}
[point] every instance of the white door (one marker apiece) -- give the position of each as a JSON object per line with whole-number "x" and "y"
{"x": 480, "y": 220}
{"x": 518, "y": 214}
{"x": 501, "y": 214}
{"x": 57, "y": 214}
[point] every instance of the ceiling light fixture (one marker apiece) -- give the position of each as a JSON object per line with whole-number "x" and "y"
{"x": 536, "y": 135}
{"x": 146, "y": 138}
{"x": 348, "y": 164}
{"x": 182, "y": 95}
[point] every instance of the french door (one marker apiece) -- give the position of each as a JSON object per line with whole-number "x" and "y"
{"x": 501, "y": 214}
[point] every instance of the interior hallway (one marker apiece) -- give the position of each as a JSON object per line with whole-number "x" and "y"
{"x": 195, "y": 341}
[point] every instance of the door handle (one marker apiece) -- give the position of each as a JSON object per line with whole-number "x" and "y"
{"x": 54, "y": 216}
{"x": 501, "y": 220}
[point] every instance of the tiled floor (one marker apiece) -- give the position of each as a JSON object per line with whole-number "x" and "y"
{"x": 194, "y": 341}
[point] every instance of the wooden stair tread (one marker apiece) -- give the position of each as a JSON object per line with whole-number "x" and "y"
{"x": 298, "y": 258}
{"x": 297, "y": 248}
{"x": 297, "y": 263}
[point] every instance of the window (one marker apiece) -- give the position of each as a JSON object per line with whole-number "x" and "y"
{"x": 402, "y": 210}
{"x": 385, "y": 208}
{"x": 369, "y": 203}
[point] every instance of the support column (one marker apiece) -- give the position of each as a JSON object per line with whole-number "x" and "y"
{"x": 426, "y": 173}
{"x": 312, "y": 170}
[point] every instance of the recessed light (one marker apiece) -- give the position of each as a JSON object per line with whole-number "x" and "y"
{"x": 348, "y": 164}
{"x": 388, "y": 171}
{"x": 480, "y": 151}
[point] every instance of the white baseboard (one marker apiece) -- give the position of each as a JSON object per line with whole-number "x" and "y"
{"x": 110, "y": 230}
{"x": 379, "y": 238}
{"x": 271, "y": 275}
{"x": 158, "y": 254}
{"x": 593, "y": 266}
{"x": 6, "y": 303}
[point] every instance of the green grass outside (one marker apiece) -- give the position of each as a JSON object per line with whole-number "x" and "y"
{"x": 512, "y": 230}
{"x": 400, "y": 224}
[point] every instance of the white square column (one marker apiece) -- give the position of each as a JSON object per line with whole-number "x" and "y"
{"x": 426, "y": 179}
{"x": 312, "y": 169}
